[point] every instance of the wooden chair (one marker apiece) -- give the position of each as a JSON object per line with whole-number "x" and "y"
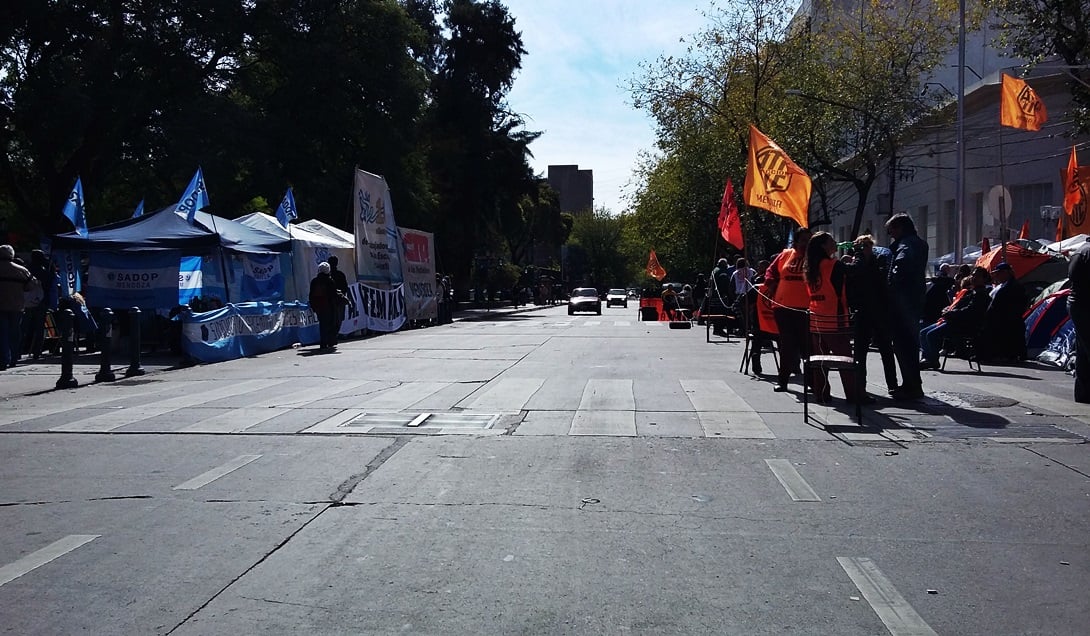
{"x": 837, "y": 334}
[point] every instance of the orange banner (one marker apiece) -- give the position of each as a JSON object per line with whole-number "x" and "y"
{"x": 766, "y": 320}
{"x": 1019, "y": 106}
{"x": 774, "y": 182}
{"x": 1077, "y": 221}
{"x": 1071, "y": 183}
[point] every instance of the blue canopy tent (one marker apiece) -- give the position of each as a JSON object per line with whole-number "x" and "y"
{"x": 142, "y": 262}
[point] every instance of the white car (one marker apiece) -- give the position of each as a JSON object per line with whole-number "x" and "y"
{"x": 617, "y": 297}
{"x": 584, "y": 299}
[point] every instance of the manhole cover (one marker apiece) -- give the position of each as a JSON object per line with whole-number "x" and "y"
{"x": 974, "y": 400}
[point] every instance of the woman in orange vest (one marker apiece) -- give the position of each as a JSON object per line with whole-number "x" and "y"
{"x": 790, "y": 299}
{"x": 825, "y": 276}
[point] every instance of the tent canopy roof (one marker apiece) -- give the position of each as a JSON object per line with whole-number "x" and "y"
{"x": 268, "y": 223}
{"x": 158, "y": 230}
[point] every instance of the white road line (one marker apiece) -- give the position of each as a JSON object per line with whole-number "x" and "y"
{"x": 621, "y": 323}
{"x": 14, "y": 415}
{"x": 122, "y": 417}
{"x": 243, "y": 419}
{"x": 722, "y": 412}
{"x": 607, "y": 407}
{"x": 38, "y": 558}
{"x": 791, "y": 480}
{"x": 506, "y": 394}
{"x": 214, "y": 474}
{"x": 899, "y": 617}
{"x": 592, "y": 323}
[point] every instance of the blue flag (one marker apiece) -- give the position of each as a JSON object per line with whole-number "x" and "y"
{"x": 194, "y": 198}
{"x": 139, "y": 211}
{"x": 73, "y": 209}
{"x": 287, "y": 212}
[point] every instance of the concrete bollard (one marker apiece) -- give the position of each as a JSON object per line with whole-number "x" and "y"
{"x": 67, "y": 380}
{"x": 134, "y": 344}
{"x": 105, "y": 333}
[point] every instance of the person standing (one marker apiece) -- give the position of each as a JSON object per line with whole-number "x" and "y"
{"x": 718, "y": 295}
{"x": 791, "y": 298}
{"x": 907, "y": 288}
{"x": 323, "y": 301}
{"x": 341, "y": 283}
{"x": 1078, "y": 305}
{"x": 15, "y": 281}
{"x": 867, "y": 297}
{"x": 825, "y": 280}
{"x": 47, "y": 276}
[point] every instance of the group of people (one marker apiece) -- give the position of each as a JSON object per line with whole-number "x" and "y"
{"x": 825, "y": 304}
{"x": 27, "y": 293}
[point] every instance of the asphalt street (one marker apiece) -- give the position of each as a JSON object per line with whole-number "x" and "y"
{"x": 536, "y": 473}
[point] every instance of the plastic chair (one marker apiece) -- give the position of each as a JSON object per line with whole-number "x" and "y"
{"x": 834, "y": 335}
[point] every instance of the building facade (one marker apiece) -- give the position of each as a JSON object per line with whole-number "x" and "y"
{"x": 575, "y": 188}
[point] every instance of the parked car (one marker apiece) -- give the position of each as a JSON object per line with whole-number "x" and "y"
{"x": 584, "y": 299}
{"x": 617, "y": 297}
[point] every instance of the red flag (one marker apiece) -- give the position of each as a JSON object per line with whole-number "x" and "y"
{"x": 1060, "y": 228}
{"x": 730, "y": 223}
{"x": 1024, "y": 234}
{"x": 985, "y": 247}
{"x": 654, "y": 270}
{"x": 1072, "y": 189}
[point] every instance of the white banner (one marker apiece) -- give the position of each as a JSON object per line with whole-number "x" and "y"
{"x": 419, "y": 270}
{"x": 378, "y": 250}
{"x": 383, "y": 309}
{"x": 354, "y": 319}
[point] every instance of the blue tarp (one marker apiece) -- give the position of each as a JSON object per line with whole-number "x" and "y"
{"x": 156, "y": 231}
{"x": 247, "y": 329}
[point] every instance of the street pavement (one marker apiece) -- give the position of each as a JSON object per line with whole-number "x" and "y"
{"x": 527, "y": 471}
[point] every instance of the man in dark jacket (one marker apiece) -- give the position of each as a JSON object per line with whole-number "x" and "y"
{"x": 1004, "y": 333}
{"x": 341, "y": 283}
{"x": 868, "y": 297}
{"x": 907, "y": 270}
{"x": 1078, "y": 305}
{"x": 323, "y": 301}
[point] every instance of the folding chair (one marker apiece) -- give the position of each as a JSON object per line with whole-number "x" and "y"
{"x": 829, "y": 348}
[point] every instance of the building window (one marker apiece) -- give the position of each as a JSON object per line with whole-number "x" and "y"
{"x": 1026, "y": 202}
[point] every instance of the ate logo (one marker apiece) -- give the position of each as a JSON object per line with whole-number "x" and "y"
{"x": 1028, "y": 101}
{"x": 1078, "y": 211}
{"x": 772, "y": 165}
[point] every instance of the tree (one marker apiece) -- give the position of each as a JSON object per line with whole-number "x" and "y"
{"x": 1039, "y": 29}
{"x": 538, "y": 225}
{"x": 595, "y": 248}
{"x": 478, "y": 154}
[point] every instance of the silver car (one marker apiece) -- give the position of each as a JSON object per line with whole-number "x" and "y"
{"x": 584, "y": 299}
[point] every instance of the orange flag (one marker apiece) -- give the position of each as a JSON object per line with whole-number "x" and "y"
{"x": 1019, "y": 106}
{"x": 654, "y": 270}
{"x": 1060, "y": 228}
{"x": 730, "y": 223}
{"x": 1072, "y": 189}
{"x": 1024, "y": 234}
{"x": 774, "y": 182}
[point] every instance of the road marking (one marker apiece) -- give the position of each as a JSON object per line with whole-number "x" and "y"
{"x": 506, "y": 394}
{"x": 591, "y": 323}
{"x": 108, "y": 394}
{"x": 791, "y": 480}
{"x": 1034, "y": 440}
{"x": 622, "y": 323}
{"x": 243, "y": 419}
{"x": 107, "y": 422}
{"x": 214, "y": 474}
{"x": 723, "y": 413}
{"x": 607, "y": 407}
{"x": 38, "y": 558}
{"x": 899, "y": 617}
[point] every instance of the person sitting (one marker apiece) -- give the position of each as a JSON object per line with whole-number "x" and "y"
{"x": 1004, "y": 329}
{"x": 938, "y": 294}
{"x": 670, "y": 304}
{"x": 964, "y": 317}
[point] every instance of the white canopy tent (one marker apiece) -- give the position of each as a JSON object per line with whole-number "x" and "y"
{"x": 308, "y": 249}
{"x": 325, "y": 229}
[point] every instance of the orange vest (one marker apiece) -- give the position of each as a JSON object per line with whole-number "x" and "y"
{"x": 791, "y": 289}
{"x": 826, "y": 301}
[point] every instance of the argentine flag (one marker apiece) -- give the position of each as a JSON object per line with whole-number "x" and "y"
{"x": 73, "y": 209}
{"x": 194, "y": 198}
{"x": 287, "y": 212}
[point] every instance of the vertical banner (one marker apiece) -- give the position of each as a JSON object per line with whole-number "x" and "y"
{"x": 148, "y": 280}
{"x": 67, "y": 263}
{"x": 261, "y": 279}
{"x": 189, "y": 279}
{"x": 1078, "y": 221}
{"x": 419, "y": 272}
{"x": 378, "y": 250}
{"x": 354, "y": 319}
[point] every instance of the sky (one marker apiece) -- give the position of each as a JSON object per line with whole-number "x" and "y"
{"x": 580, "y": 54}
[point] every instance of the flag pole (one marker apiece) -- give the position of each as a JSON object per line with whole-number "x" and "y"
{"x": 1003, "y": 229}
